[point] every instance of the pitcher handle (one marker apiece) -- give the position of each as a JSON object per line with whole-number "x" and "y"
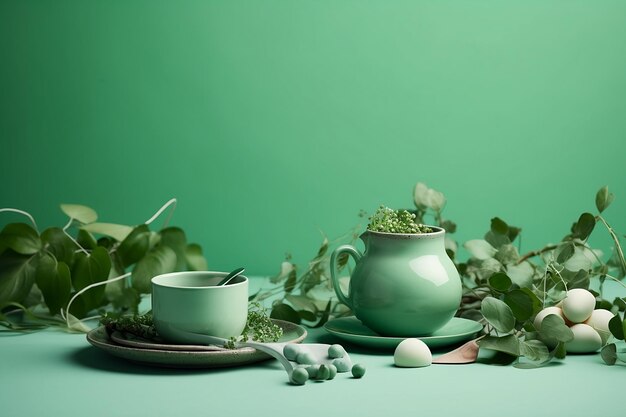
{"x": 350, "y": 250}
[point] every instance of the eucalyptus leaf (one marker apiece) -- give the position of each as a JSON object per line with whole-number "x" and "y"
{"x": 54, "y": 280}
{"x": 301, "y": 302}
{"x": 609, "y": 354}
{"x": 59, "y": 244}
{"x": 118, "y": 232}
{"x": 325, "y": 315}
{"x": 21, "y": 238}
{"x": 498, "y": 314}
{"x": 565, "y": 252}
{"x": 554, "y": 329}
{"x": 135, "y": 246}
{"x": 508, "y": 344}
{"x": 583, "y": 258}
{"x": 160, "y": 260}
{"x": 534, "y": 350}
{"x": 522, "y": 274}
{"x": 290, "y": 284}
{"x": 513, "y": 232}
{"x": 175, "y": 239}
{"x": 500, "y": 282}
{"x": 560, "y": 352}
{"x": 584, "y": 226}
{"x": 497, "y": 240}
{"x": 285, "y": 312}
{"x": 307, "y": 315}
{"x": 499, "y": 226}
{"x": 480, "y": 249}
{"x": 425, "y": 197}
{"x": 81, "y": 213}
{"x": 521, "y": 304}
{"x": 449, "y": 226}
{"x": 603, "y": 198}
{"x": 17, "y": 276}
{"x": 507, "y": 254}
{"x": 195, "y": 259}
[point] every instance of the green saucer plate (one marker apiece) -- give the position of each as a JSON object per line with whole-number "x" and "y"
{"x": 171, "y": 356}
{"x": 352, "y": 330}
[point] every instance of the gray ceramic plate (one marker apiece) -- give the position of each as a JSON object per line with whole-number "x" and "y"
{"x": 352, "y": 330}
{"x": 174, "y": 358}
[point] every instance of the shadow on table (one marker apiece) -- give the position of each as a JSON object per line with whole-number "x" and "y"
{"x": 91, "y": 357}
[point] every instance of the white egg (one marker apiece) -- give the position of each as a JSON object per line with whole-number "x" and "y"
{"x": 578, "y": 305}
{"x": 544, "y": 313}
{"x": 599, "y": 320}
{"x": 586, "y": 339}
{"x": 412, "y": 353}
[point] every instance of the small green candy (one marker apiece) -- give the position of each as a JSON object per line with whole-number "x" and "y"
{"x": 299, "y": 376}
{"x": 305, "y": 359}
{"x": 341, "y": 364}
{"x": 333, "y": 371}
{"x": 291, "y": 351}
{"x": 336, "y": 351}
{"x": 358, "y": 370}
{"x": 312, "y": 370}
{"x": 323, "y": 373}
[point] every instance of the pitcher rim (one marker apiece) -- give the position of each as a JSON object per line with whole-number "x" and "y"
{"x": 437, "y": 233}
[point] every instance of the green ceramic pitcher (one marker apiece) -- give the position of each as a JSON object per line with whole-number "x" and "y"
{"x": 403, "y": 284}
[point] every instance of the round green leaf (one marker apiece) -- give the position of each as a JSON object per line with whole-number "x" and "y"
{"x": 20, "y": 237}
{"x": 499, "y": 226}
{"x": 508, "y": 344}
{"x": 500, "y": 282}
{"x": 160, "y": 260}
{"x": 118, "y": 232}
{"x": 480, "y": 249}
{"x": 584, "y": 226}
{"x": 135, "y": 246}
{"x": 17, "y": 276}
{"x": 175, "y": 239}
{"x": 83, "y": 214}
{"x": 566, "y": 251}
{"x": 534, "y": 350}
{"x": 195, "y": 259}
{"x": 521, "y": 304}
{"x": 603, "y": 198}
{"x": 59, "y": 244}
{"x": 285, "y": 312}
{"x": 498, "y": 314}
{"x": 553, "y": 328}
{"x": 89, "y": 269}
{"x": 609, "y": 354}
{"x": 54, "y": 280}
{"x": 616, "y": 328}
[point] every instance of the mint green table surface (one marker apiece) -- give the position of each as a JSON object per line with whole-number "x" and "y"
{"x": 52, "y": 373}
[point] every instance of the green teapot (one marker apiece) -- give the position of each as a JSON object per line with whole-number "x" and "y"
{"x": 403, "y": 284}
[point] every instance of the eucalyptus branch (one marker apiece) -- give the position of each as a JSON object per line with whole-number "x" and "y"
{"x": 620, "y": 252}
{"x": 534, "y": 253}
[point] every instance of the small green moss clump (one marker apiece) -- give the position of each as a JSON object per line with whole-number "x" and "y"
{"x": 395, "y": 221}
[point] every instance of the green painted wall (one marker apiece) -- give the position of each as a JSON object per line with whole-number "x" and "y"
{"x": 272, "y": 120}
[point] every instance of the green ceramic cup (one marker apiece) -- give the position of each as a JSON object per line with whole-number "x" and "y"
{"x": 192, "y": 302}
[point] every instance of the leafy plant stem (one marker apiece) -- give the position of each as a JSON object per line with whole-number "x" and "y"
{"x": 22, "y": 213}
{"x": 172, "y": 202}
{"x": 75, "y": 242}
{"x": 612, "y": 278}
{"x": 66, "y": 317}
{"x": 534, "y": 253}
{"x": 620, "y": 252}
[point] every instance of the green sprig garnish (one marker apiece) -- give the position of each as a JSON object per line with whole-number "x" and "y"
{"x": 395, "y": 221}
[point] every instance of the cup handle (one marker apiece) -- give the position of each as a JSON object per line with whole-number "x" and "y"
{"x": 350, "y": 250}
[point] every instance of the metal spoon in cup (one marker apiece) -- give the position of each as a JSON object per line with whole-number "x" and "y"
{"x": 230, "y": 276}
